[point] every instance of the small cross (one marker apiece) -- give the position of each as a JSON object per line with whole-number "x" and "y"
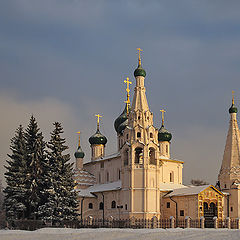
{"x": 233, "y": 97}
{"x": 98, "y": 118}
{"x": 162, "y": 111}
{"x": 139, "y": 55}
{"x": 139, "y": 52}
{"x": 78, "y": 137}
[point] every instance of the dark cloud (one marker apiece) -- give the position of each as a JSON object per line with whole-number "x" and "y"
{"x": 79, "y": 52}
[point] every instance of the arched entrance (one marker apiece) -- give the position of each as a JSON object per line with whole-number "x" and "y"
{"x": 210, "y": 211}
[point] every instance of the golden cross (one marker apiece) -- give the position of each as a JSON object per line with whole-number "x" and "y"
{"x": 162, "y": 111}
{"x": 233, "y": 97}
{"x": 98, "y": 120}
{"x": 78, "y": 137}
{"x": 127, "y": 82}
{"x": 139, "y": 55}
{"x": 128, "y": 90}
{"x": 128, "y": 103}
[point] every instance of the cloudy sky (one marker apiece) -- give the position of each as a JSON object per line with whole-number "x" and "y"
{"x": 65, "y": 60}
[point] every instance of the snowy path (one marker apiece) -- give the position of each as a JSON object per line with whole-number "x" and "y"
{"x": 120, "y": 234}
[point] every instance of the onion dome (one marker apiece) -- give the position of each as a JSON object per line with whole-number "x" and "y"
{"x": 233, "y": 108}
{"x": 97, "y": 138}
{"x": 122, "y": 126}
{"x": 164, "y": 135}
{"x": 79, "y": 153}
{"x": 122, "y": 118}
{"x": 139, "y": 71}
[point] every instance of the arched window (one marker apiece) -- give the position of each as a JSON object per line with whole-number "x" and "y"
{"x": 171, "y": 177}
{"x": 166, "y": 149}
{"x": 107, "y": 177}
{"x": 152, "y": 159}
{"x": 127, "y": 136}
{"x": 138, "y": 134}
{"x": 139, "y": 155}
{"x": 101, "y": 206}
{"x": 90, "y": 206}
{"x": 113, "y": 204}
{"x": 126, "y": 157}
{"x": 151, "y": 135}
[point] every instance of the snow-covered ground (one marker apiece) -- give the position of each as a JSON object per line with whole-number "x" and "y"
{"x": 123, "y": 234}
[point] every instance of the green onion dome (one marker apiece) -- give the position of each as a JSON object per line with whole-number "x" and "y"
{"x": 79, "y": 153}
{"x": 139, "y": 71}
{"x": 122, "y": 126}
{"x": 97, "y": 138}
{"x": 233, "y": 109}
{"x": 120, "y": 119}
{"x": 164, "y": 135}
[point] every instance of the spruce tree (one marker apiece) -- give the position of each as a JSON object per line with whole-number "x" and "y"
{"x": 15, "y": 192}
{"x": 61, "y": 203}
{"x": 36, "y": 171}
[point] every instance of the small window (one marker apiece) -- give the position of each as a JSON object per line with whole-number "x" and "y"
{"x": 99, "y": 177}
{"x": 138, "y": 117}
{"x": 113, "y": 204}
{"x": 101, "y": 206}
{"x": 168, "y": 204}
{"x": 138, "y": 134}
{"x": 225, "y": 186}
{"x": 167, "y": 149}
{"x": 107, "y": 176}
{"x": 231, "y": 209}
{"x": 151, "y": 135}
{"x": 125, "y": 206}
{"x": 181, "y": 212}
{"x": 102, "y": 165}
{"x": 127, "y": 136}
{"x": 125, "y": 162}
{"x": 171, "y": 177}
{"x": 90, "y": 206}
{"x": 119, "y": 174}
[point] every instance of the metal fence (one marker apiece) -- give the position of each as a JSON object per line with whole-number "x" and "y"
{"x": 123, "y": 223}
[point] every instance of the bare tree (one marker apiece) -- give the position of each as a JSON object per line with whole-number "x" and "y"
{"x": 198, "y": 182}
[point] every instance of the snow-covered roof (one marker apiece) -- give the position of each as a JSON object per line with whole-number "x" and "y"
{"x": 190, "y": 190}
{"x": 106, "y": 187}
{"x": 84, "y": 193}
{"x": 99, "y": 188}
{"x": 114, "y": 155}
{"x": 170, "y": 186}
{"x": 166, "y": 158}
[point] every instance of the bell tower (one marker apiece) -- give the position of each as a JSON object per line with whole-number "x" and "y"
{"x": 229, "y": 175}
{"x": 140, "y": 153}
